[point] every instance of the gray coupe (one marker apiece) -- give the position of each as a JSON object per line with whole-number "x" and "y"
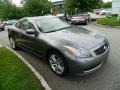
{"x": 67, "y": 48}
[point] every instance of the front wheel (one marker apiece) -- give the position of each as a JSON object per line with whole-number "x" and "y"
{"x": 12, "y": 43}
{"x": 58, "y": 64}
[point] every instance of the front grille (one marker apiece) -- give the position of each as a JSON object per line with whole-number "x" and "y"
{"x": 101, "y": 49}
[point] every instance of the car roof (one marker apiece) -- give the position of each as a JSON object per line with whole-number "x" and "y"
{"x": 40, "y": 17}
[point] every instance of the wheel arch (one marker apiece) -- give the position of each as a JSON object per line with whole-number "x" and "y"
{"x": 51, "y": 50}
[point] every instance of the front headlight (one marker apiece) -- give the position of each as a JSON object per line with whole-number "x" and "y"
{"x": 78, "y": 53}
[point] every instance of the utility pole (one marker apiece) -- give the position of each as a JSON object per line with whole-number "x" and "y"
{"x": 51, "y": 9}
{"x": 118, "y": 14}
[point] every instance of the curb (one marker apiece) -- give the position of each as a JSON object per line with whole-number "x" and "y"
{"x": 40, "y": 77}
{"x": 106, "y": 25}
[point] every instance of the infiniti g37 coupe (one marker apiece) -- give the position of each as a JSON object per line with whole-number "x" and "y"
{"x": 68, "y": 49}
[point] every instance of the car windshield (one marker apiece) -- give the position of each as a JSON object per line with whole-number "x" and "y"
{"x": 51, "y": 24}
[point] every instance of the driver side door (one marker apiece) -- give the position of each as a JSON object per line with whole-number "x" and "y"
{"x": 30, "y": 41}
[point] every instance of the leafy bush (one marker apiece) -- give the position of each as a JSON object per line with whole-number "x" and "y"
{"x": 109, "y": 21}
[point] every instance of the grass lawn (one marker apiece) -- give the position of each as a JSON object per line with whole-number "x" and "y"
{"x": 14, "y": 74}
{"x": 109, "y": 21}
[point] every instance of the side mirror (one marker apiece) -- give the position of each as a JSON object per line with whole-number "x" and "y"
{"x": 30, "y": 31}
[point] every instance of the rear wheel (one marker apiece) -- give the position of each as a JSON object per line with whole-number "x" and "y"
{"x": 87, "y": 22}
{"x": 2, "y": 29}
{"x": 57, "y": 63}
{"x": 12, "y": 43}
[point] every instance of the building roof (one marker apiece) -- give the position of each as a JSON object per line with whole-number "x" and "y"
{"x": 57, "y": 2}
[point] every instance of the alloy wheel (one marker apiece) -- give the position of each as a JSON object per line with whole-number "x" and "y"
{"x": 56, "y": 64}
{"x": 12, "y": 43}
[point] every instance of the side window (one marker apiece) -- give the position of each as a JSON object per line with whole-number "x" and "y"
{"x": 30, "y": 26}
{"x": 23, "y": 24}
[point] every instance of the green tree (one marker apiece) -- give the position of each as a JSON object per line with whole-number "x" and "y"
{"x": 9, "y": 10}
{"x": 107, "y": 5}
{"x": 71, "y": 6}
{"x": 36, "y": 7}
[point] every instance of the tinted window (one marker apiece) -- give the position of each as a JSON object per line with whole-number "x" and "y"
{"x": 23, "y": 24}
{"x": 30, "y": 26}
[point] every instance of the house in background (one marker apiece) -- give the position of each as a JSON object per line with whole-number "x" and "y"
{"x": 115, "y": 6}
{"x": 58, "y": 7}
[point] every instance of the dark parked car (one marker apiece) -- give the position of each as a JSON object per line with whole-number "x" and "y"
{"x": 80, "y": 19}
{"x": 67, "y": 49}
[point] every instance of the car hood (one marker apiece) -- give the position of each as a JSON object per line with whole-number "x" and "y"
{"x": 78, "y": 36}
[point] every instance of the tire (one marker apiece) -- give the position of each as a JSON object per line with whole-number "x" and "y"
{"x": 2, "y": 29}
{"x": 103, "y": 13}
{"x": 87, "y": 22}
{"x": 57, "y": 63}
{"x": 12, "y": 43}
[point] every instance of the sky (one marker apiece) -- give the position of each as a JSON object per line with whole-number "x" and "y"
{"x": 17, "y": 2}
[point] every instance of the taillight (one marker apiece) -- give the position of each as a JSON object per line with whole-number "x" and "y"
{"x": 72, "y": 17}
{"x": 82, "y": 17}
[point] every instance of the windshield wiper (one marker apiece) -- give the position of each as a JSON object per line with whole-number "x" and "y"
{"x": 58, "y": 29}
{"x": 63, "y": 28}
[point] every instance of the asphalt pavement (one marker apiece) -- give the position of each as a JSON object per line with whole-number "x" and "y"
{"x": 108, "y": 78}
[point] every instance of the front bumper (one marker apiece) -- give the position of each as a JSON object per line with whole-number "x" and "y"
{"x": 87, "y": 66}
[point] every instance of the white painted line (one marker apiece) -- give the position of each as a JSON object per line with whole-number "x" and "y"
{"x": 41, "y": 79}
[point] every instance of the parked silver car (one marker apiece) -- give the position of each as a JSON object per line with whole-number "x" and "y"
{"x": 106, "y": 11}
{"x": 80, "y": 19}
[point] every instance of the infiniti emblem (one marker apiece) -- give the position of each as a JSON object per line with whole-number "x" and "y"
{"x": 105, "y": 47}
